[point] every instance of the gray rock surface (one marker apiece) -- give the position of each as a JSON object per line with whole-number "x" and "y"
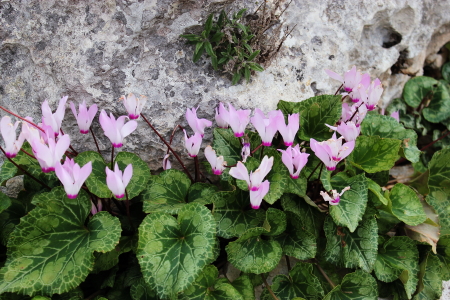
{"x": 99, "y": 50}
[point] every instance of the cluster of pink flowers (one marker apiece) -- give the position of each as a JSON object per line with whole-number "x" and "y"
{"x": 49, "y": 143}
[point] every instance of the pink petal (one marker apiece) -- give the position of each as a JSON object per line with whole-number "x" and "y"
{"x": 127, "y": 174}
{"x": 240, "y": 172}
{"x": 334, "y": 75}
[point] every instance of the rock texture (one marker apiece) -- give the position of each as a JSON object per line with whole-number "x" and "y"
{"x": 99, "y": 50}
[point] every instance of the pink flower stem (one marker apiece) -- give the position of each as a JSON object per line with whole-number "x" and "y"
{"x": 23, "y": 119}
{"x": 173, "y": 134}
{"x": 197, "y": 169}
{"x": 256, "y": 149}
{"x": 24, "y": 171}
{"x": 95, "y": 140}
{"x": 112, "y": 157}
{"x": 356, "y": 111}
{"x": 320, "y": 172}
{"x": 262, "y": 153}
{"x": 339, "y": 89}
{"x": 30, "y": 155}
{"x": 268, "y": 287}
{"x": 70, "y": 146}
{"x": 168, "y": 146}
{"x": 313, "y": 171}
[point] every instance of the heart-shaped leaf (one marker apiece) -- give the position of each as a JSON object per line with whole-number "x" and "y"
{"x": 358, "y": 285}
{"x": 172, "y": 252}
{"x": 202, "y": 193}
{"x": 405, "y": 205}
{"x": 51, "y": 250}
{"x": 166, "y": 192}
{"x": 141, "y": 173}
{"x": 417, "y": 88}
{"x": 430, "y": 278}
{"x": 227, "y": 145}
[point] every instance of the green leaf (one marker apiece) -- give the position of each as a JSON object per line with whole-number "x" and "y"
{"x": 206, "y": 286}
{"x": 398, "y": 258}
{"x": 247, "y": 73}
{"x": 443, "y": 253}
{"x": 254, "y": 66}
{"x": 352, "y": 249}
{"x": 315, "y": 112}
{"x": 439, "y": 185}
{"x": 202, "y": 193}
{"x": 405, "y": 205}
{"x": 227, "y": 145}
{"x": 417, "y": 88}
{"x": 446, "y": 71}
{"x": 172, "y": 252}
{"x": 310, "y": 219}
{"x": 430, "y": 279}
{"x": 51, "y": 250}
{"x": 244, "y": 286}
{"x": 387, "y": 127}
{"x": 141, "y": 290}
{"x": 358, "y": 285}
{"x": 199, "y": 48}
{"x": 297, "y": 241}
{"x": 353, "y": 202}
{"x": 166, "y": 192}
{"x": 252, "y": 254}
{"x": 9, "y": 170}
{"x": 374, "y": 154}
{"x": 301, "y": 283}
{"x": 212, "y": 54}
{"x": 253, "y": 56}
{"x": 278, "y": 176}
{"x": 376, "y": 190}
{"x": 439, "y": 108}
{"x": 233, "y": 214}
{"x": 208, "y": 24}
{"x": 217, "y": 37}
{"x": 5, "y": 202}
{"x": 275, "y": 221}
{"x": 141, "y": 173}
{"x": 236, "y": 78}
{"x": 96, "y": 182}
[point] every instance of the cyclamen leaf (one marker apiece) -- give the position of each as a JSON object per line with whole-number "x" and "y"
{"x": 202, "y": 193}
{"x": 446, "y": 71}
{"x": 398, "y": 257}
{"x": 405, "y": 205}
{"x": 358, "y": 285}
{"x": 352, "y": 249}
{"x": 172, "y": 252}
{"x": 430, "y": 278}
{"x": 374, "y": 154}
{"x": 51, "y": 250}
{"x": 315, "y": 112}
{"x": 353, "y": 202}
{"x": 278, "y": 176}
{"x": 439, "y": 185}
{"x": 141, "y": 290}
{"x": 5, "y": 202}
{"x": 302, "y": 283}
{"x": 141, "y": 173}
{"x": 244, "y": 286}
{"x": 417, "y": 88}
{"x": 275, "y": 221}
{"x": 96, "y": 182}
{"x": 439, "y": 108}
{"x": 227, "y": 145}
{"x": 233, "y": 214}
{"x": 166, "y": 192}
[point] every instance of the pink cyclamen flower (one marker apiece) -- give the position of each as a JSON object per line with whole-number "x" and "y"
{"x": 98, "y": 208}
{"x": 29, "y": 131}
{"x": 8, "y": 130}
{"x": 85, "y": 117}
{"x": 255, "y": 179}
{"x": 222, "y": 116}
{"x": 355, "y": 113}
{"x": 48, "y": 155}
{"x": 352, "y": 78}
{"x": 256, "y": 197}
{"x": 193, "y": 143}
{"x": 116, "y": 130}
{"x": 117, "y": 180}
{"x": 294, "y": 160}
{"x": 267, "y": 127}
{"x": 238, "y": 120}
{"x": 336, "y": 198}
{"x": 348, "y": 130}
{"x": 331, "y": 151}
{"x": 374, "y": 94}
{"x": 166, "y": 162}
{"x": 197, "y": 125}
{"x": 245, "y": 152}
{"x": 72, "y": 176}
{"x": 133, "y": 105}
{"x": 396, "y": 115}
{"x": 54, "y": 119}
{"x": 289, "y": 131}
{"x": 217, "y": 162}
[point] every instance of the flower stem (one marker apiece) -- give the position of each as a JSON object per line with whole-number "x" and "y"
{"x": 197, "y": 169}
{"x": 112, "y": 157}
{"x": 170, "y": 148}
{"x": 262, "y": 153}
{"x": 23, "y": 119}
{"x": 95, "y": 140}
{"x": 24, "y": 171}
{"x": 127, "y": 205}
{"x": 320, "y": 172}
{"x": 30, "y": 155}
{"x": 356, "y": 110}
{"x": 172, "y": 135}
{"x": 333, "y": 285}
{"x": 432, "y": 143}
{"x": 320, "y": 163}
{"x": 268, "y": 287}
{"x": 339, "y": 89}
{"x": 256, "y": 149}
